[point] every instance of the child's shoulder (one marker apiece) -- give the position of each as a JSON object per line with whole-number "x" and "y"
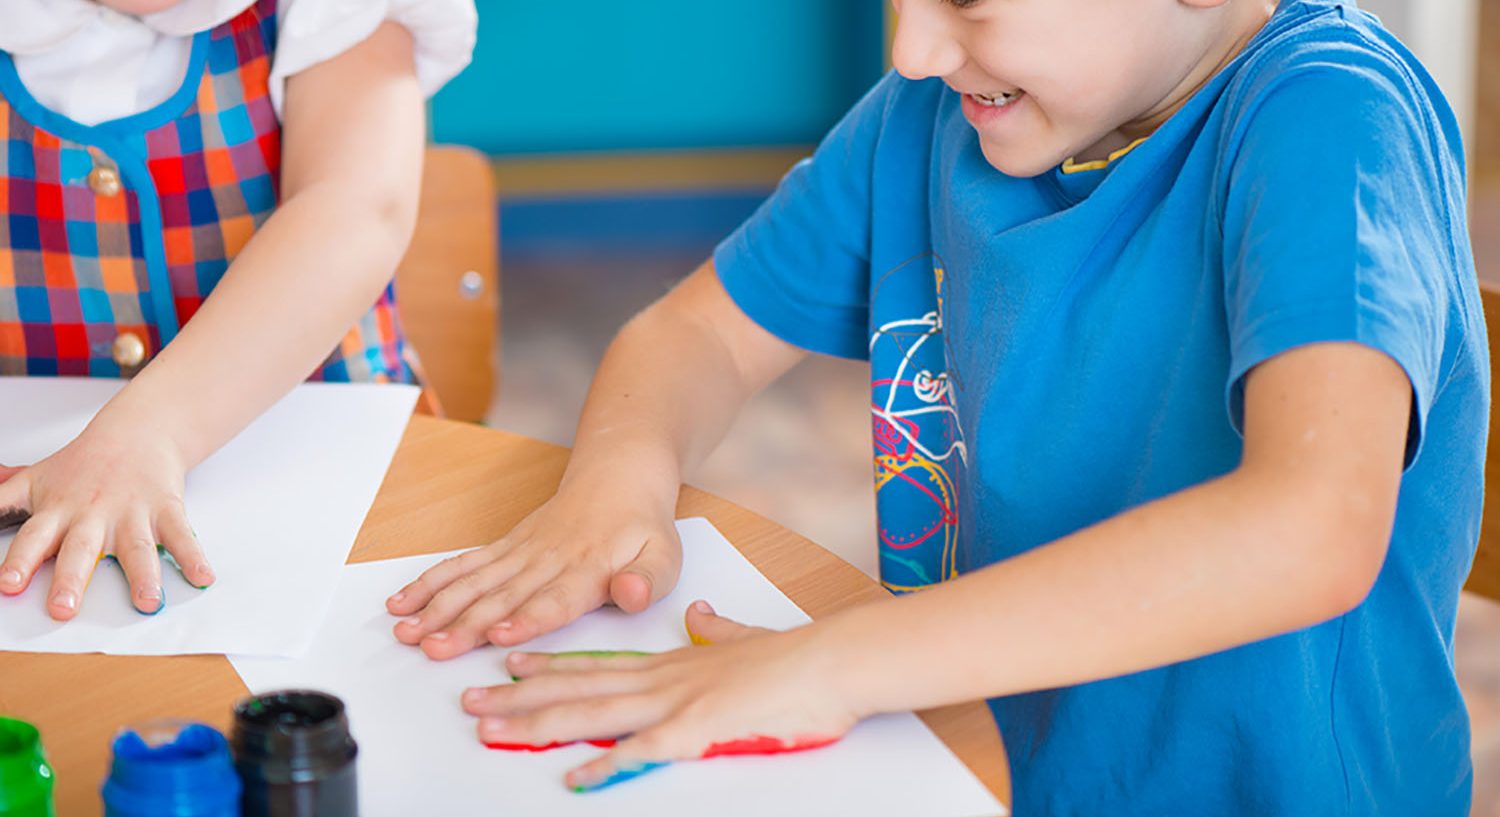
{"x": 1325, "y": 75}
{"x": 1340, "y": 47}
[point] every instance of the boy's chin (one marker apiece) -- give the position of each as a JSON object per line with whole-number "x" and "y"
{"x": 1020, "y": 161}
{"x": 141, "y": 7}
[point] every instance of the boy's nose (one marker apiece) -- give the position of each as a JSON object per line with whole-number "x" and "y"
{"x": 924, "y": 44}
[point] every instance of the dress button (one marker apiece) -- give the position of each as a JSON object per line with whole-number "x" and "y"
{"x": 129, "y": 350}
{"x": 105, "y": 180}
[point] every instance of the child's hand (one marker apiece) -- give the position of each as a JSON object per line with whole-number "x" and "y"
{"x": 747, "y": 691}
{"x": 104, "y": 494}
{"x": 587, "y": 546}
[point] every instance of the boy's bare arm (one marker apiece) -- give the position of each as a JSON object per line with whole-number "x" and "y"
{"x": 667, "y": 390}
{"x": 1294, "y": 536}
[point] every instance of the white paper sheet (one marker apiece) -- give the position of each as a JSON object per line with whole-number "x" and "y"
{"x": 419, "y": 753}
{"x": 276, "y": 510}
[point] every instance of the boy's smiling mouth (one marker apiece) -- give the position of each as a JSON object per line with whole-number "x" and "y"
{"x": 986, "y": 110}
{"x": 999, "y": 100}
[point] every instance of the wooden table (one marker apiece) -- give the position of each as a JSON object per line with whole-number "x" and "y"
{"x": 450, "y": 486}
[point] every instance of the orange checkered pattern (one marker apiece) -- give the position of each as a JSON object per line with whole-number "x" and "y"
{"x": 81, "y": 263}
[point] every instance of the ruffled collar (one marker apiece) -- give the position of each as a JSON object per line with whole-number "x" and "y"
{"x": 30, "y": 27}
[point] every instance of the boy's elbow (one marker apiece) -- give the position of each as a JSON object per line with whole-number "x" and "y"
{"x": 1344, "y": 545}
{"x": 1353, "y": 578}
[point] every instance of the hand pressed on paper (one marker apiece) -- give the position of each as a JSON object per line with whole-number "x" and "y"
{"x": 744, "y": 690}
{"x": 102, "y": 495}
{"x": 585, "y": 547}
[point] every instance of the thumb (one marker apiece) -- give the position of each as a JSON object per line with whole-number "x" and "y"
{"x": 15, "y": 497}
{"x": 705, "y": 627}
{"x": 652, "y": 574}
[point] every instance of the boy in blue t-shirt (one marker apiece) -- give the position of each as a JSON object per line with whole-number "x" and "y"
{"x": 1179, "y": 394}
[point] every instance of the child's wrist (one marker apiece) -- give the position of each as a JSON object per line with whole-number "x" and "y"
{"x": 849, "y": 657}
{"x": 124, "y": 424}
{"x": 638, "y": 467}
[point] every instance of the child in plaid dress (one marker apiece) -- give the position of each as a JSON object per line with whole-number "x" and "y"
{"x": 206, "y": 197}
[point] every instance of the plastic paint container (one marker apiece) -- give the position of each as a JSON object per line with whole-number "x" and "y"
{"x": 295, "y": 756}
{"x": 25, "y": 777}
{"x": 171, "y": 769}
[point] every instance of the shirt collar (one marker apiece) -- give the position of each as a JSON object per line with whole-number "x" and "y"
{"x": 38, "y": 26}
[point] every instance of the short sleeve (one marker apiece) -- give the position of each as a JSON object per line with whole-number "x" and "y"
{"x": 313, "y": 31}
{"x": 1338, "y": 227}
{"x": 800, "y": 266}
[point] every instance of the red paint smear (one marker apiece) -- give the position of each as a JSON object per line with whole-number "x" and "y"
{"x": 762, "y": 745}
{"x": 605, "y": 743}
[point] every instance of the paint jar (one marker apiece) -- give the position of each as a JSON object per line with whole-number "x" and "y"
{"x": 171, "y": 769}
{"x": 25, "y": 778}
{"x": 295, "y": 755}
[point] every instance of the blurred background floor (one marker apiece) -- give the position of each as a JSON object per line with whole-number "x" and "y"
{"x": 800, "y": 454}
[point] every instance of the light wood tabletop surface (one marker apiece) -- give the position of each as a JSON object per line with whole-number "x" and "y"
{"x": 450, "y": 486}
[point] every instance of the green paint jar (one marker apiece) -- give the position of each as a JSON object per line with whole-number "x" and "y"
{"x": 25, "y": 778}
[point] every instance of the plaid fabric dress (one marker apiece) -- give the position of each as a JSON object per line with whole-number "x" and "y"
{"x": 111, "y": 236}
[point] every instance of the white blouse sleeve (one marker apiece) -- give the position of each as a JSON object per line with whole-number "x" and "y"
{"x": 312, "y": 31}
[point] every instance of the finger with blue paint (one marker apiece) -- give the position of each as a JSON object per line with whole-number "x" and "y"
{"x": 739, "y": 690}
{"x": 107, "y": 493}
{"x": 584, "y": 780}
{"x": 134, "y": 550}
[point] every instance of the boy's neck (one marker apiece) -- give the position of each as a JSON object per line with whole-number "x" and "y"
{"x": 1250, "y": 18}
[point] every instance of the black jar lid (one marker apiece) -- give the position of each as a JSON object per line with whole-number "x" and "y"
{"x": 291, "y": 736}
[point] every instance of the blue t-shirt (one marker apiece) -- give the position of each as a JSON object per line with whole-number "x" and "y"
{"x": 1048, "y": 352}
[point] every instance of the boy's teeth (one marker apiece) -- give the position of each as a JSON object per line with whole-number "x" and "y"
{"x": 998, "y": 101}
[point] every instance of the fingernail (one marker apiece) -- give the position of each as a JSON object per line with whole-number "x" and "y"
{"x": 67, "y": 600}
{"x": 703, "y": 607}
{"x": 414, "y": 621}
{"x": 492, "y": 727}
{"x": 396, "y": 599}
{"x": 504, "y": 625}
{"x": 439, "y": 636}
{"x": 11, "y": 578}
{"x": 473, "y": 696}
{"x": 154, "y": 595}
{"x": 583, "y": 782}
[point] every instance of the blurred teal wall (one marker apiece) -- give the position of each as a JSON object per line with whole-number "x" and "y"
{"x": 598, "y": 75}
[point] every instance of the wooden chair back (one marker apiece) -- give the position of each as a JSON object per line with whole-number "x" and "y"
{"x": 448, "y": 285}
{"x": 1484, "y": 579}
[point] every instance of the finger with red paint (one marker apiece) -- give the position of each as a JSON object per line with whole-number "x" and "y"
{"x": 743, "y": 690}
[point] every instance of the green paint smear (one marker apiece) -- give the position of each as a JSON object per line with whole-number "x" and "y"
{"x": 595, "y": 654}
{"x": 168, "y": 558}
